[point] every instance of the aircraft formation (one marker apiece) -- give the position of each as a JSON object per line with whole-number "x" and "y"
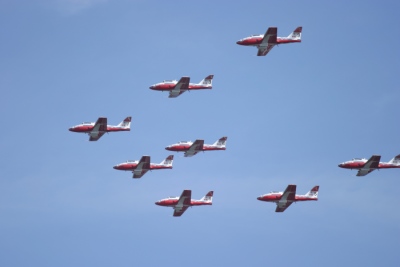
{"x": 264, "y": 43}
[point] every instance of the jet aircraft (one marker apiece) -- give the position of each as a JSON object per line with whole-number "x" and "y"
{"x": 180, "y": 204}
{"x": 192, "y": 148}
{"x": 96, "y": 130}
{"x": 365, "y": 166}
{"x": 176, "y": 88}
{"x": 140, "y": 167}
{"x": 266, "y": 42}
{"x": 284, "y": 199}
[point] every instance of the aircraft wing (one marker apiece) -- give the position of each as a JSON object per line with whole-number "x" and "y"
{"x": 263, "y": 50}
{"x": 172, "y": 94}
{"x": 139, "y": 173}
{"x": 142, "y": 167}
{"x": 268, "y": 41}
{"x": 183, "y": 203}
{"x": 287, "y": 198}
{"x": 99, "y": 129}
{"x": 280, "y": 207}
{"x": 194, "y": 148}
{"x": 179, "y": 211}
{"x": 369, "y": 166}
{"x": 180, "y": 87}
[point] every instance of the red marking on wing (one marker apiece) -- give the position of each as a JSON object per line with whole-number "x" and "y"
{"x": 187, "y": 194}
{"x": 283, "y": 207}
{"x": 263, "y": 51}
{"x": 198, "y": 145}
{"x": 184, "y": 83}
{"x": 270, "y": 35}
{"x": 373, "y": 162}
{"x": 139, "y": 175}
{"x": 102, "y": 122}
{"x": 290, "y": 192}
{"x": 178, "y": 213}
{"x": 95, "y": 138}
{"x": 146, "y": 162}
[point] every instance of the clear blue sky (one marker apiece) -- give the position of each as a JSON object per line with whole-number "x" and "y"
{"x": 290, "y": 117}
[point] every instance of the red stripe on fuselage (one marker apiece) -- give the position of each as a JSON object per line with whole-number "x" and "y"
{"x": 132, "y": 166}
{"x": 167, "y": 87}
{"x": 275, "y": 198}
{"x": 82, "y": 129}
{"x": 117, "y": 129}
{"x": 257, "y": 41}
{"x": 360, "y": 165}
{"x": 174, "y": 202}
{"x": 88, "y": 129}
{"x": 181, "y": 148}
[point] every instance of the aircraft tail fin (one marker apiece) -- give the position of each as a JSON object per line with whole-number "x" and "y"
{"x": 126, "y": 123}
{"x": 208, "y": 197}
{"x": 395, "y": 160}
{"x": 221, "y": 142}
{"x": 207, "y": 81}
{"x": 296, "y": 34}
{"x": 168, "y": 161}
{"x": 313, "y": 193}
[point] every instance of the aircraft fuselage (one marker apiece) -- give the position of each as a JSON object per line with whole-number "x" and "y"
{"x": 276, "y": 197}
{"x": 185, "y": 147}
{"x": 360, "y": 165}
{"x": 130, "y": 166}
{"x": 256, "y": 40}
{"x": 174, "y": 202}
{"x": 89, "y": 128}
{"x": 171, "y": 86}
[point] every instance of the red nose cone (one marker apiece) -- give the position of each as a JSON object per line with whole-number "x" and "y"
{"x": 71, "y": 129}
{"x": 152, "y": 87}
{"x": 115, "y": 167}
{"x": 259, "y": 198}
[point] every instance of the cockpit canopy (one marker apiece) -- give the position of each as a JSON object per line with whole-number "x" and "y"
{"x": 358, "y": 159}
{"x": 252, "y": 36}
{"x": 184, "y": 142}
{"x": 271, "y": 193}
{"x": 169, "y": 81}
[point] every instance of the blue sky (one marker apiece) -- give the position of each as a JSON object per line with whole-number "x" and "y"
{"x": 290, "y": 117}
